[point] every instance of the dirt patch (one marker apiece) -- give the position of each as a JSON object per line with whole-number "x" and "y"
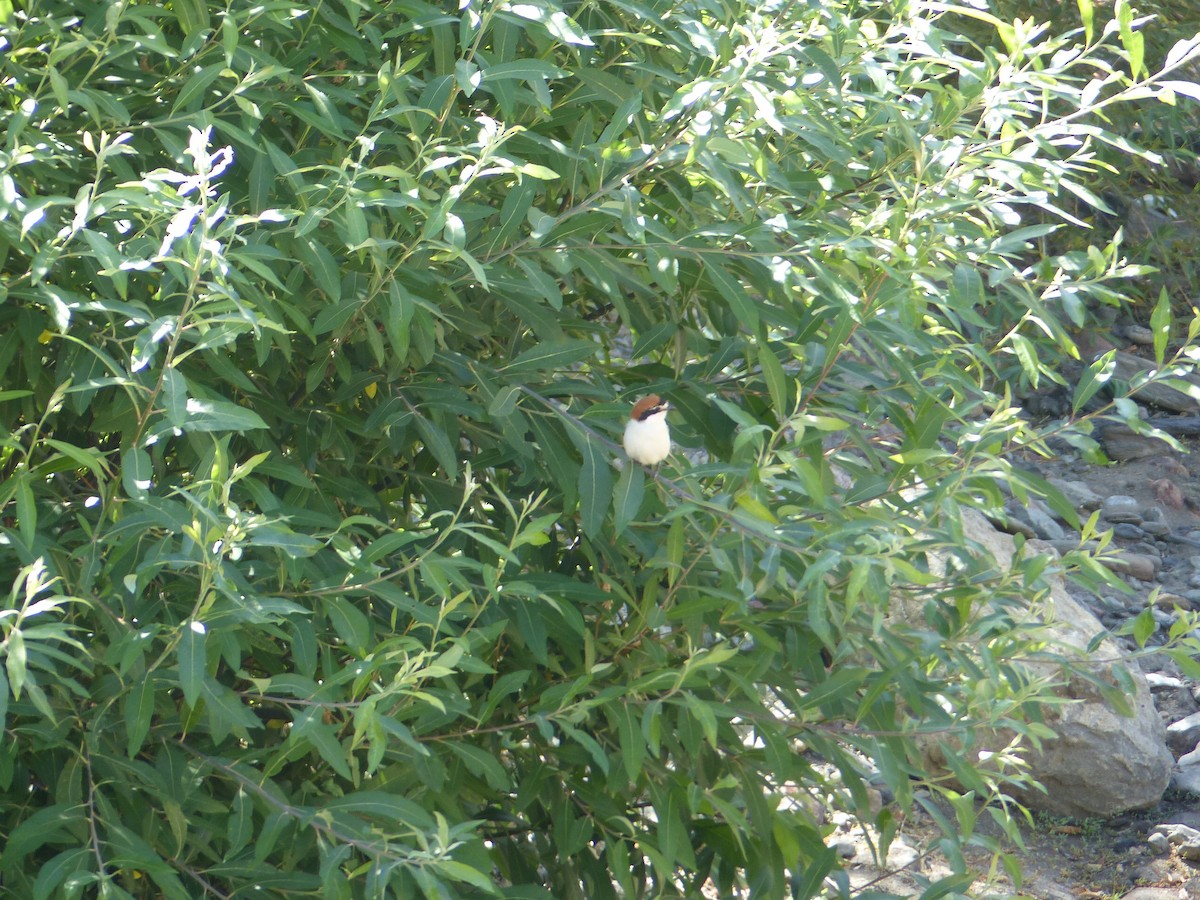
{"x": 1061, "y": 859}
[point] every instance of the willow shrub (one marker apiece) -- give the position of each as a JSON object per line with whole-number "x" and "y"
{"x": 318, "y": 325}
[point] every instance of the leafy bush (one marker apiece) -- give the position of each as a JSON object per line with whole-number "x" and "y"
{"x": 319, "y": 325}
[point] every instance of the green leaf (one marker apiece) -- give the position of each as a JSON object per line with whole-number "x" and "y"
{"x": 733, "y": 293}
{"x": 1143, "y": 626}
{"x": 175, "y": 396}
{"x": 531, "y": 70}
{"x": 193, "y": 659}
{"x": 1087, "y": 15}
{"x": 16, "y": 662}
{"x": 27, "y": 512}
{"x": 192, "y": 16}
{"x": 1094, "y": 377}
{"x": 219, "y": 415}
{"x": 627, "y": 500}
{"x": 777, "y": 381}
{"x": 1160, "y": 325}
{"x": 334, "y": 317}
{"x": 552, "y": 355}
{"x": 137, "y": 472}
{"x": 139, "y": 711}
{"x": 225, "y": 712}
{"x": 50, "y": 824}
{"x": 349, "y": 623}
{"x": 595, "y": 484}
{"x": 59, "y": 869}
{"x": 324, "y": 269}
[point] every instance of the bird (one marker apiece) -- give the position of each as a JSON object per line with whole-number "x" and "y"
{"x": 647, "y": 437}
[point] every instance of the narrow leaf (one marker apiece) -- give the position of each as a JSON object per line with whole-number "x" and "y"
{"x": 139, "y": 709}
{"x": 627, "y": 500}
{"x": 136, "y": 472}
{"x": 1160, "y": 325}
{"x": 595, "y": 485}
{"x": 552, "y": 355}
{"x": 192, "y": 660}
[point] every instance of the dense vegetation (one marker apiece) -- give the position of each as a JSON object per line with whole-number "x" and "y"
{"x": 318, "y": 325}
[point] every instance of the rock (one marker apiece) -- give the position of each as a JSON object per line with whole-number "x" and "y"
{"x": 1121, "y": 508}
{"x": 1107, "y": 605}
{"x": 1156, "y": 893}
{"x": 1015, "y": 522}
{"x": 1138, "y": 334}
{"x": 900, "y": 855}
{"x": 1158, "y": 843}
{"x": 847, "y": 850}
{"x": 1070, "y": 546}
{"x": 1100, "y": 763}
{"x": 1168, "y": 492}
{"x": 1185, "y": 838}
{"x": 1170, "y": 603}
{"x": 1187, "y": 777}
{"x": 1031, "y": 520}
{"x": 1137, "y": 565}
{"x": 1127, "y": 531}
{"x": 1159, "y": 682}
{"x": 1184, "y": 735}
{"x": 1078, "y": 494}
{"x": 1156, "y": 529}
{"x": 1164, "y": 619}
{"x": 1122, "y": 444}
{"x": 1130, "y": 366}
{"x": 1044, "y": 523}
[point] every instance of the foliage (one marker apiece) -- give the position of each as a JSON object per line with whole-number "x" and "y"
{"x": 318, "y": 326}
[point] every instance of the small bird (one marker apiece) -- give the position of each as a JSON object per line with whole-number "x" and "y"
{"x": 647, "y": 437}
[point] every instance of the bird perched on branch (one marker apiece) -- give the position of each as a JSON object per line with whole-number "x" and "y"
{"x": 647, "y": 437}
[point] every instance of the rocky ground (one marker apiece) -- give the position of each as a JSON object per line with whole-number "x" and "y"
{"x": 1150, "y": 496}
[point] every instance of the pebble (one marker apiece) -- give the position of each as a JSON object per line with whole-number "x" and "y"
{"x": 1153, "y": 514}
{"x": 1128, "y": 532}
{"x": 847, "y": 850}
{"x": 1155, "y": 529}
{"x": 1160, "y": 682}
{"x": 1184, "y": 735}
{"x": 1164, "y": 619}
{"x": 1159, "y": 843}
{"x": 1078, "y": 494}
{"x": 1186, "y": 838}
{"x": 1122, "y": 445}
{"x": 1110, "y": 604}
{"x": 900, "y": 855}
{"x": 1044, "y": 524}
{"x": 1156, "y": 893}
{"x": 1016, "y": 524}
{"x": 1136, "y": 565}
{"x": 1170, "y": 602}
{"x": 1122, "y": 508}
{"x": 1137, "y": 334}
{"x": 1190, "y": 760}
{"x": 1148, "y": 548}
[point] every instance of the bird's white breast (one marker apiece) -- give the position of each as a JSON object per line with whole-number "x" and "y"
{"x": 648, "y": 441}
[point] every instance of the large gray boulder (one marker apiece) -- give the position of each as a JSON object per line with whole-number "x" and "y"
{"x": 1101, "y": 762}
